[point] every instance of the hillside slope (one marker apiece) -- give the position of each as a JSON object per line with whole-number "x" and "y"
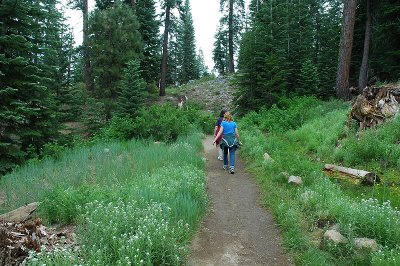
{"x": 212, "y": 94}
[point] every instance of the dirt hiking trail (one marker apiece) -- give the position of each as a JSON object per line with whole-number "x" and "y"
{"x": 236, "y": 230}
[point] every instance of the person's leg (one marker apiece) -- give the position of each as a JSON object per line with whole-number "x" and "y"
{"x": 225, "y": 157}
{"x": 220, "y": 154}
{"x": 232, "y": 158}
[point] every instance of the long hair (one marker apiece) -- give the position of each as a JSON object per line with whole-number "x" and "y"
{"x": 222, "y": 113}
{"x": 228, "y": 117}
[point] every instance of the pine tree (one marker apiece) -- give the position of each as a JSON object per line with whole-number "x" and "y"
{"x": 133, "y": 91}
{"x": 385, "y": 46}
{"x": 303, "y": 35}
{"x": 27, "y": 106}
{"x": 114, "y": 40}
{"x": 220, "y": 51}
{"x": 149, "y": 29}
{"x": 309, "y": 82}
{"x": 201, "y": 65}
{"x": 188, "y": 66}
{"x": 261, "y": 75}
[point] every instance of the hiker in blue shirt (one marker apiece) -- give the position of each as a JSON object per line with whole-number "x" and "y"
{"x": 230, "y": 141}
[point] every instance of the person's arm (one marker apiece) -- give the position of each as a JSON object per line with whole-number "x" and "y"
{"x": 237, "y": 134}
{"x": 221, "y": 129}
{"x": 215, "y": 130}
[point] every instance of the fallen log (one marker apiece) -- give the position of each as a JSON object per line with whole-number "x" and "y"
{"x": 366, "y": 177}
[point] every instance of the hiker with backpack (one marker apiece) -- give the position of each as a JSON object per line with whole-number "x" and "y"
{"x": 230, "y": 141}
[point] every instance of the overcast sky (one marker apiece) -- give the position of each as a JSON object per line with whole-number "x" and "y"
{"x": 205, "y": 19}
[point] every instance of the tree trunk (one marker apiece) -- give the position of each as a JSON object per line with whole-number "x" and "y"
{"x": 230, "y": 38}
{"x": 346, "y": 43}
{"x": 87, "y": 74}
{"x": 363, "y": 77}
{"x": 165, "y": 52}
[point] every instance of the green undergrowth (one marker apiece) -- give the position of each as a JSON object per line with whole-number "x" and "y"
{"x": 135, "y": 202}
{"x": 301, "y": 137}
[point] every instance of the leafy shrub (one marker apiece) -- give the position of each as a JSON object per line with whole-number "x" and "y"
{"x": 207, "y": 123}
{"x": 162, "y": 122}
{"x": 289, "y": 113}
{"x": 53, "y": 150}
{"x": 119, "y": 128}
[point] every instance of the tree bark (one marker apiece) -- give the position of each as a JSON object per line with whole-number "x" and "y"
{"x": 363, "y": 77}
{"x": 230, "y": 38}
{"x": 165, "y": 52}
{"x": 87, "y": 73}
{"x": 346, "y": 43}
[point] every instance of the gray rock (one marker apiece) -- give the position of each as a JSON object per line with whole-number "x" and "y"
{"x": 296, "y": 180}
{"x": 366, "y": 243}
{"x": 335, "y": 237}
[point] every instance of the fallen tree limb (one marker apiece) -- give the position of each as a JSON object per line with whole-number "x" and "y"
{"x": 365, "y": 176}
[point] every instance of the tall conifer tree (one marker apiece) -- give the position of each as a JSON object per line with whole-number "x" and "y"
{"x": 114, "y": 40}
{"x": 27, "y": 106}
{"x": 188, "y": 64}
{"x": 220, "y": 50}
{"x": 149, "y": 29}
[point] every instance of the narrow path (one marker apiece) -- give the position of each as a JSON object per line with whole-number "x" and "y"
{"x": 236, "y": 231}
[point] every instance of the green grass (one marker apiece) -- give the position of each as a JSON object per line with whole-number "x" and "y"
{"x": 134, "y": 202}
{"x": 320, "y": 137}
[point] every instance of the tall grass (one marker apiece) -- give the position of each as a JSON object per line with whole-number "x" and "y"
{"x": 135, "y": 202}
{"x": 301, "y": 150}
{"x": 102, "y": 164}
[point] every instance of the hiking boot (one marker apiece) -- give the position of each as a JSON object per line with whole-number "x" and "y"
{"x": 231, "y": 170}
{"x": 225, "y": 167}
